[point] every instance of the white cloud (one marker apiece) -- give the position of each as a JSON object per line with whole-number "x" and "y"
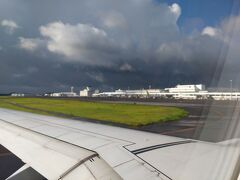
{"x": 176, "y": 10}
{"x": 117, "y": 30}
{"x": 127, "y": 33}
{"x": 9, "y": 25}
{"x": 166, "y": 50}
{"x": 81, "y": 42}
{"x": 228, "y": 31}
{"x": 126, "y": 67}
{"x": 209, "y": 43}
{"x": 211, "y": 31}
{"x": 30, "y": 44}
{"x": 114, "y": 20}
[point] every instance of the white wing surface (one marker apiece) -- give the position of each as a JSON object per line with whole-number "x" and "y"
{"x": 57, "y": 148}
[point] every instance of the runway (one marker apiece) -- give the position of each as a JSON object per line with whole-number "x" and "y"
{"x": 206, "y": 122}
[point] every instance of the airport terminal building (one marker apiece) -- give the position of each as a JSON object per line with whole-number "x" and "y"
{"x": 197, "y": 91}
{"x": 192, "y": 91}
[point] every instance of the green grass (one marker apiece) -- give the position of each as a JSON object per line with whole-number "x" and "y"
{"x": 128, "y": 114}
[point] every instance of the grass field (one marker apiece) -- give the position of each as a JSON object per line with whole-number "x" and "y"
{"x": 128, "y": 114}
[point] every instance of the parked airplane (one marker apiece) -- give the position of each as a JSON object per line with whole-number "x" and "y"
{"x": 56, "y": 148}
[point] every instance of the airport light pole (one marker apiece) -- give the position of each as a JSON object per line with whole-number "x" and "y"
{"x": 231, "y": 86}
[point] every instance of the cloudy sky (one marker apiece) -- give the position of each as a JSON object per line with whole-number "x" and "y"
{"x": 51, "y": 45}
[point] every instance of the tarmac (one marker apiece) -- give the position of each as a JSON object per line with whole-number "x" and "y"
{"x": 9, "y": 163}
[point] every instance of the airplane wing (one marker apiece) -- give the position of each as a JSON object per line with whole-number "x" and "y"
{"x": 57, "y": 148}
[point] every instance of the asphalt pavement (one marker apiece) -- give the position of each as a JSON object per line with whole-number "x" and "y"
{"x": 9, "y": 163}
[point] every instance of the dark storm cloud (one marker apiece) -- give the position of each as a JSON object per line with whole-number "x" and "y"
{"x": 105, "y": 44}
